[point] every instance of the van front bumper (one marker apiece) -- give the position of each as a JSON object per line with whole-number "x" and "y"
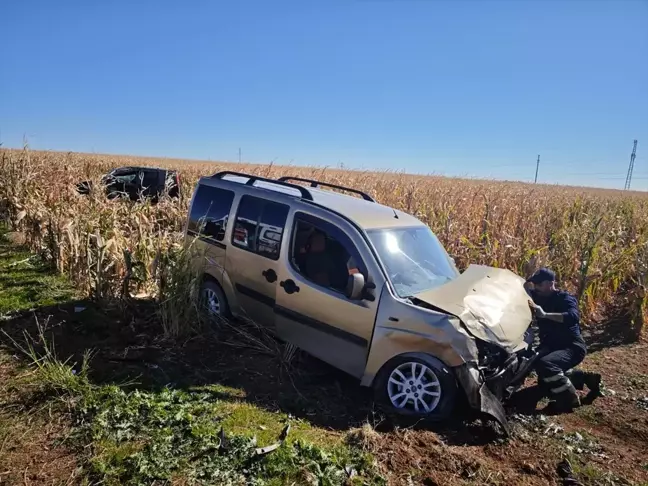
{"x": 479, "y": 395}
{"x": 487, "y": 394}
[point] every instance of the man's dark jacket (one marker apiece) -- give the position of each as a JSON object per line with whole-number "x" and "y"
{"x": 559, "y": 335}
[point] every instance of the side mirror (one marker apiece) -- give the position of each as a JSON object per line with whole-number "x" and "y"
{"x": 355, "y": 286}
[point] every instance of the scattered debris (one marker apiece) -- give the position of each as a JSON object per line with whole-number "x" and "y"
{"x": 642, "y": 402}
{"x": 79, "y": 308}
{"x": 575, "y": 441}
{"x": 553, "y": 429}
{"x": 222, "y": 446}
{"x": 350, "y": 471}
{"x": 262, "y": 451}
{"x": 15, "y": 264}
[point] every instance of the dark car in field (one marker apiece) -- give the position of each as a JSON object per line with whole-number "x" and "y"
{"x": 137, "y": 183}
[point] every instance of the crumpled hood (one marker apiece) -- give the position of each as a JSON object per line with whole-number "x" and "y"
{"x": 491, "y": 302}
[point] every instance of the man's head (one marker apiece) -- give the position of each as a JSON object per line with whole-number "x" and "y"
{"x": 544, "y": 281}
{"x": 317, "y": 242}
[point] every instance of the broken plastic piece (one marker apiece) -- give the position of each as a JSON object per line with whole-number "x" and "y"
{"x": 262, "y": 451}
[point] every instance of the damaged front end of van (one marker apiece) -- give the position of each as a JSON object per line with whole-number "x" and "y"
{"x": 492, "y": 305}
{"x": 477, "y": 324}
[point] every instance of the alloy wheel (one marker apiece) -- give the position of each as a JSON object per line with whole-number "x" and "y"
{"x": 212, "y": 303}
{"x": 413, "y": 386}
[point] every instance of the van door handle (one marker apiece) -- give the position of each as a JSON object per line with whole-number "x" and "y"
{"x": 270, "y": 275}
{"x": 289, "y": 286}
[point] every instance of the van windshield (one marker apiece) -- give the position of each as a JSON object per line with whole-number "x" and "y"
{"x": 414, "y": 259}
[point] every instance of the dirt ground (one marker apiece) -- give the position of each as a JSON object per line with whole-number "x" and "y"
{"x": 605, "y": 442}
{"x": 31, "y": 438}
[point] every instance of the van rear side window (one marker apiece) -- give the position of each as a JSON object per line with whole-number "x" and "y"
{"x": 210, "y": 212}
{"x": 259, "y": 226}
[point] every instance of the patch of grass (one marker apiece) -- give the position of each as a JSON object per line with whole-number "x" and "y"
{"x": 592, "y": 414}
{"x": 138, "y": 437}
{"x": 26, "y": 282}
{"x": 53, "y": 375}
{"x": 206, "y": 435}
{"x": 589, "y": 473}
{"x": 251, "y": 421}
{"x": 123, "y": 435}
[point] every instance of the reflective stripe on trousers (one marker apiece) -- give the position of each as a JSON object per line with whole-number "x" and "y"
{"x": 561, "y": 388}
{"x": 559, "y": 381}
{"x": 552, "y": 378}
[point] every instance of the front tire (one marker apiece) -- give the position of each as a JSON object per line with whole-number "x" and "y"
{"x": 418, "y": 386}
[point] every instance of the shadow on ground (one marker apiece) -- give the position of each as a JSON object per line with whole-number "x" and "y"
{"x": 128, "y": 350}
{"x": 611, "y": 333}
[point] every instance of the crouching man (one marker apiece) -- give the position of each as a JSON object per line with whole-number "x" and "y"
{"x": 562, "y": 347}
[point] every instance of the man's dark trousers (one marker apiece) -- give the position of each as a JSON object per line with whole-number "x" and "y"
{"x": 552, "y": 367}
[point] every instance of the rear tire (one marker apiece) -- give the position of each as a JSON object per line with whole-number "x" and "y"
{"x": 418, "y": 386}
{"x": 213, "y": 301}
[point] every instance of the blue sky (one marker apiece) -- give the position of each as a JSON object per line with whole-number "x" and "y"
{"x": 475, "y": 88}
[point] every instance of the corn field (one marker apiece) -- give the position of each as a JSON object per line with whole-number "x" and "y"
{"x": 595, "y": 240}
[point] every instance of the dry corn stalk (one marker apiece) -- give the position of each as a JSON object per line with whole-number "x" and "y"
{"x": 594, "y": 239}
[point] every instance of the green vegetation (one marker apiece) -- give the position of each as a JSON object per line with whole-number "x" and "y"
{"x": 136, "y": 437}
{"x": 126, "y": 435}
{"x": 590, "y": 473}
{"x": 26, "y": 283}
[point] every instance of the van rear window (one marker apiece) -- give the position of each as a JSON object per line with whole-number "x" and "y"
{"x": 210, "y": 212}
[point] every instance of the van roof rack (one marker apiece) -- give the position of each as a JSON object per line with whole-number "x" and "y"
{"x": 305, "y": 193}
{"x": 313, "y": 183}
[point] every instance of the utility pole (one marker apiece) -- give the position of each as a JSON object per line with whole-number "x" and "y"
{"x": 537, "y": 168}
{"x": 628, "y": 181}
{"x": 239, "y": 155}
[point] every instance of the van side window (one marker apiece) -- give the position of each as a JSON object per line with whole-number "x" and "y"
{"x": 323, "y": 253}
{"x": 209, "y": 212}
{"x": 259, "y": 226}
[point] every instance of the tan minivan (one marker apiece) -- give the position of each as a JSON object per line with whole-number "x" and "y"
{"x": 364, "y": 287}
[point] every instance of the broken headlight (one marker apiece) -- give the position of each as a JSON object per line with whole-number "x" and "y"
{"x": 491, "y": 356}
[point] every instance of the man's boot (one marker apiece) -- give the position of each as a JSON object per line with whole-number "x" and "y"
{"x": 565, "y": 399}
{"x": 577, "y": 377}
{"x": 593, "y": 382}
{"x": 580, "y": 379}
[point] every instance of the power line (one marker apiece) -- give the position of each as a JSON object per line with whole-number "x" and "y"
{"x": 631, "y": 167}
